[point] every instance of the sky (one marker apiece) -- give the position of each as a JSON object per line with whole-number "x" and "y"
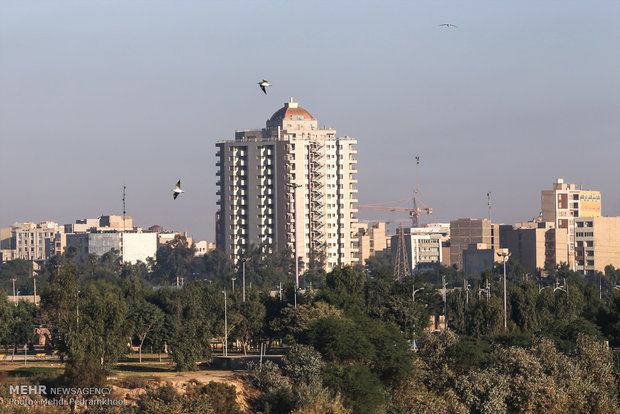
{"x": 97, "y": 95}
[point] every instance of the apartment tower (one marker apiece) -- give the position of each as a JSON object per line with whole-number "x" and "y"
{"x": 290, "y": 183}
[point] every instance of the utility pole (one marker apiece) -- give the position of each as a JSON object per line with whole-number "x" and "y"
{"x": 34, "y": 299}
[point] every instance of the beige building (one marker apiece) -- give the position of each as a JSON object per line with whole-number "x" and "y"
{"x": 30, "y": 241}
{"x": 564, "y": 203}
{"x": 369, "y": 239}
{"x": 536, "y": 244}
{"x": 597, "y": 243}
{"x": 203, "y": 247}
{"x": 289, "y": 181}
{"x": 470, "y": 231}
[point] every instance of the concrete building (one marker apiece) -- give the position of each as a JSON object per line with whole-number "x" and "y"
{"x": 469, "y": 231}
{"x": 203, "y": 247}
{"x": 369, "y": 239}
{"x": 597, "y": 243}
{"x": 290, "y": 178}
{"x": 133, "y": 246}
{"x": 536, "y": 244}
{"x": 423, "y": 246}
{"x": 564, "y": 203}
{"x": 30, "y": 241}
{"x": 477, "y": 258}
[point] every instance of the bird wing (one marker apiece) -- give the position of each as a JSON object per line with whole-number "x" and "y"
{"x": 178, "y": 184}
{"x": 263, "y": 88}
{"x": 174, "y": 195}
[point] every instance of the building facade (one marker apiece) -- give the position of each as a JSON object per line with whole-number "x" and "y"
{"x": 369, "y": 239}
{"x": 289, "y": 185}
{"x": 566, "y": 202}
{"x": 470, "y": 231}
{"x": 597, "y": 242}
{"x": 30, "y": 241}
{"x": 536, "y": 244}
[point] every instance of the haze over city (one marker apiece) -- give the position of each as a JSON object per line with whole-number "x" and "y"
{"x": 97, "y": 95}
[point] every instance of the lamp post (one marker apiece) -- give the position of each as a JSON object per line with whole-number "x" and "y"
{"x": 414, "y": 290}
{"x": 504, "y": 254}
{"x": 295, "y": 187}
{"x": 14, "y": 296}
{"x": 225, "y": 326}
{"x": 243, "y": 276}
{"x": 445, "y": 316}
{"x": 77, "y": 309}
{"x": 466, "y": 287}
{"x": 233, "y": 284}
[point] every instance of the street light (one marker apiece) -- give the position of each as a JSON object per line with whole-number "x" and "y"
{"x": 225, "y": 326}
{"x": 504, "y": 254}
{"x": 243, "y": 277}
{"x": 233, "y": 284}
{"x": 295, "y": 187}
{"x": 466, "y": 287}
{"x": 562, "y": 288}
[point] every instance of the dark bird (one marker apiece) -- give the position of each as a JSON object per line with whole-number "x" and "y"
{"x": 447, "y": 25}
{"x": 177, "y": 190}
{"x": 263, "y": 85}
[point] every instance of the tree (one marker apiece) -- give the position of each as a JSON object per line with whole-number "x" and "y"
{"x": 250, "y": 317}
{"x": 188, "y": 327}
{"x": 174, "y": 259}
{"x": 293, "y": 322}
{"x": 144, "y": 318}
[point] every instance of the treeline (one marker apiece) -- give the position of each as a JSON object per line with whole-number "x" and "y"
{"x": 350, "y": 337}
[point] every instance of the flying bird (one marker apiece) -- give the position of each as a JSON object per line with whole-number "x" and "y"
{"x": 177, "y": 190}
{"x": 263, "y": 85}
{"x": 447, "y": 25}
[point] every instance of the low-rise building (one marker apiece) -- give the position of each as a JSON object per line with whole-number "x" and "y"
{"x": 368, "y": 239}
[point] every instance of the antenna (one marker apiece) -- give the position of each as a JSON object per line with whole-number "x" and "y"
{"x": 489, "y": 204}
{"x": 123, "y": 233}
{"x": 124, "y": 211}
{"x": 415, "y": 216}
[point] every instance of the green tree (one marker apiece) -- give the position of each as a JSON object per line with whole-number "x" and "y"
{"x": 144, "y": 318}
{"x": 293, "y": 322}
{"x": 174, "y": 259}
{"x": 250, "y": 320}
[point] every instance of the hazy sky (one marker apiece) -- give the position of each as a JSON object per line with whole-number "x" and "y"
{"x": 95, "y": 95}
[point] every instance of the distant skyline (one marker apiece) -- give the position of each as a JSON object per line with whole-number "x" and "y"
{"x": 96, "y": 95}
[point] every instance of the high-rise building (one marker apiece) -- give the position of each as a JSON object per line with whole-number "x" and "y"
{"x": 291, "y": 183}
{"x": 564, "y": 203}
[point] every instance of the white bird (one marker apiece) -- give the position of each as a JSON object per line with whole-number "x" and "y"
{"x": 448, "y": 25}
{"x": 263, "y": 85}
{"x": 177, "y": 190}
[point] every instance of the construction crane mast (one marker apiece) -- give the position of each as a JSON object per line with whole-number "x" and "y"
{"x": 413, "y": 212}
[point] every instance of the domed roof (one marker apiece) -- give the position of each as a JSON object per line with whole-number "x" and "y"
{"x": 290, "y": 111}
